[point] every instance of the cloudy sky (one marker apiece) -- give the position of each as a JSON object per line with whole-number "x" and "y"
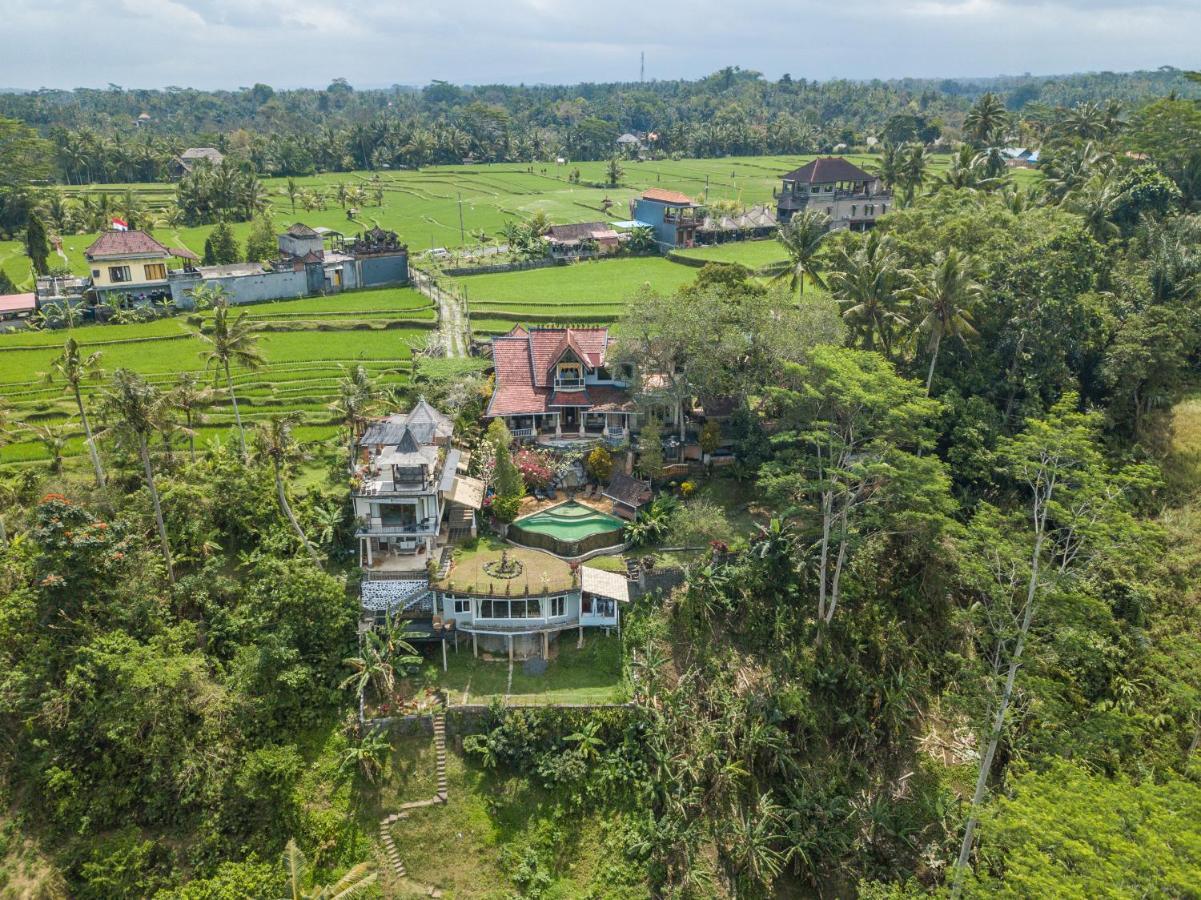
{"x": 292, "y": 43}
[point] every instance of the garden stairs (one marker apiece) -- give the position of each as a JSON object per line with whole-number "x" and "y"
{"x": 440, "y": 797}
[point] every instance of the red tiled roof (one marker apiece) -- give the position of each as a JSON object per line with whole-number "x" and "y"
{"x": 183, "y": 253}
{"x": 666, "y": 196}
{"x": 610, "y": 399}
{"x": 125, "y": 243}
{"x": 523, "y": 361}
{"x": 828, "y": 169}
{"x": 569, "y": 398}
{"x": 17, "y": 302}
{"x": 547, "y": 346}
{"x": 515, "y": 392}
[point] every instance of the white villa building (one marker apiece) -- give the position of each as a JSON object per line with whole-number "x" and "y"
{"x": 409, "y": 495}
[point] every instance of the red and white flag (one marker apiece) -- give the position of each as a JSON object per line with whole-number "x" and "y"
{"x": 120, "y": 225}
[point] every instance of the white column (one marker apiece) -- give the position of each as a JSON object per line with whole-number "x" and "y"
{"x": 369, "y": 559}
{"x": 558, "y": 425}
{"x": 443, "y": 654}
{"x": 582, "y": 416}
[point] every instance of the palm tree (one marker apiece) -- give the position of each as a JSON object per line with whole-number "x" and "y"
{"x": 802, "y": 238}
{"x": 275, "y": 442}
{"x": 190, "y": 398}
{"x": 53, "y": 438}
{"x": 292, "y": 191}
{"x": 913, "y": 170}
{"x": 890, "y": 166}
{"x": 986, "y": 121}
{"x": 137, "y": 409}
{"x": 356, "y": 393}
{"x": 1096, "y": 203}
{"x": 299, "y": 886}
{"x": 73, "y": 367}
{"x": 945, "y": 292}
{"x": 866, "y": 282}
{"x": 233, "y": 341}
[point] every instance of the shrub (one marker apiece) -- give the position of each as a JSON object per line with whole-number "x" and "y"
{"x": 599, "y": 464}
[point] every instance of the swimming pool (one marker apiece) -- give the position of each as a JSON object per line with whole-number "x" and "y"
{"x": 569, "y": 529}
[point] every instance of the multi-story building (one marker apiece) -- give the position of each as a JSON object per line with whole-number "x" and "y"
{"x": 848, "y": 196}
{"x": 671, "y": 215}
{"x": 558, "y": 384}
{"x": 406, "y": 477}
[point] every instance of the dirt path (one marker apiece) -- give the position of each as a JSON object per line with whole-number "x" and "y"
{"x": 451, "y": 318}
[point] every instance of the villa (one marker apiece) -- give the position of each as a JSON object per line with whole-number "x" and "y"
{"x": 186, "y": 161}
{"x": 516, "y": 601}
{"x": 847, "y": 195}
{"x": 672, "y": 216}
{"x": 131, "y": 263}
{"x": 409, "y": 496}
{"x": 558, "y": 384}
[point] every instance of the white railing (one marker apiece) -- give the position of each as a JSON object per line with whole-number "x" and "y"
{"x": 522, "y": 432}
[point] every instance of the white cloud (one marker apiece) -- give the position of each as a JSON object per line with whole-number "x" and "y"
{"x": 226, "y": 43}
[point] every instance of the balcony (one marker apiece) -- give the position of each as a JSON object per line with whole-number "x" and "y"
{"x": 375, "y": 527}
{"x": 374, "y": 486}
{"x": 569, "y": 384}
{"x": 519, "y": 626}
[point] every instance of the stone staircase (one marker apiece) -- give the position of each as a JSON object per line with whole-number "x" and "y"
{"x": 440, "y": 797}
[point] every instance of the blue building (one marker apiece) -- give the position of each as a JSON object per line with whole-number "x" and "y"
{"x": 672, "y": 215}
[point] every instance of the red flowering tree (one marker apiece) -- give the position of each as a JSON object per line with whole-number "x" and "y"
{"x": 533, "y": 468}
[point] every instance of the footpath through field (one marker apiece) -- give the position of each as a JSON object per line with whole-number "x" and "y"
{"x": 451, "y": 321}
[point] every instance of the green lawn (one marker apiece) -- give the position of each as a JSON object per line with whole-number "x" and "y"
{"x": 752, "y": 254}
{"x": 590, "y": 675}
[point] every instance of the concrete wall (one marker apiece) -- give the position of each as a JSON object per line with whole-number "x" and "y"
{"x": 377, "y": 271}
{"x": 286, "y": 285}
{"x": 299, "y": 246}
{"x": 652, "y": 212}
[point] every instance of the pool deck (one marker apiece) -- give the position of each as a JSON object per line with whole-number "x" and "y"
{"x": 531, "y": 505}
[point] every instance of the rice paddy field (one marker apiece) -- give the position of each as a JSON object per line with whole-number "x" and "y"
{"x": 306, "y": 344}
{"x": 752, "y": 254}
{"x": 581, "y": 293}
{"x": 424, "y": 206}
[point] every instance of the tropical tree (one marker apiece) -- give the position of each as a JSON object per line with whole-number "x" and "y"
{"x": 233, "y": 342}
{"x": 987, "y": 120}
{"x": 802, "y": 238}
{"x": 135, "y": 409}
{"x": 866, "y": 280}
{"x": 298, "y": 884}
{"x": 613, "y": 172}
{"x": 275, "y": 442}
{"x": 53, "y": 439}
{"x": 190, "y": 398}
{"x": 37, "y": 244}
{"x": 381, "y": 654}
{"x": 73, "y": 367}
{"x": 913, "y": 170}
{"x": 356, "y": 394}
{"x": 943, "y": 296}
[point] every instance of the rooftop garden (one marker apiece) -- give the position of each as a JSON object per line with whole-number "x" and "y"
{"x": 493, "y": 568}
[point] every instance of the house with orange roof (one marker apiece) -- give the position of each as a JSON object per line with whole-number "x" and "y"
{"x": 557, "y": 384}
{"x": 673, "y": 216}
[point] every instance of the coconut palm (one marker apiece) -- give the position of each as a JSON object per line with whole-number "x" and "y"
{"x": 867, "y": 282}
{"x": 274, "y": 441}
{"x": 190, "y": 398}
{"x": 802, "y": 239}
{"x": 73, "y": 367}
{"x": 1096, "y": 203}
{"x": 945, "y": 293}
{"x": 298, "y": 884}
{"x": 233, "y": 342}
{"x": 889, "y": 168}
{"x": 985, "y": 123}
{"x": 356, "y": 394}
{"x": 9, "y": 497}
{"x": 913, "y": 170}
{"x": 136, "y": 410}
{"x": 53, "y": 438}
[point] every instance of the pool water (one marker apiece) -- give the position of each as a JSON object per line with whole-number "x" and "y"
{"x": 570, "y": 521}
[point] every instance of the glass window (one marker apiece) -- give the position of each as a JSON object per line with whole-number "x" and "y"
{"x": 118, "y": 274}
{"x": 156, "y": 272}
{"x": 462, "y": 607}
{"x": 558, "y": 606}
